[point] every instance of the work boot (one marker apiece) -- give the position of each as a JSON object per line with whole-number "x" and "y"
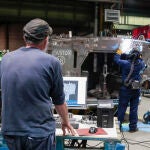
{"x": 133, "y": 130}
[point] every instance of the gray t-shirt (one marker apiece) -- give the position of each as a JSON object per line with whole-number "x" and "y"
{"x": 31, "y": 80}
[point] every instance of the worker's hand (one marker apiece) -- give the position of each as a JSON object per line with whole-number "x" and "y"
{"x": 69, "y": 128}
{"x": 119, "y": 51}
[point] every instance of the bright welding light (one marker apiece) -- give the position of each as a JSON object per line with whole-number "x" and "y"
{"x": 125, "y": 46}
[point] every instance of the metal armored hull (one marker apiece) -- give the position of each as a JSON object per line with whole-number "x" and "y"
{"x": 93, "y": 57}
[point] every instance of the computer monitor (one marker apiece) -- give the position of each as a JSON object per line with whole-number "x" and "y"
{"x": 75, "y": 89}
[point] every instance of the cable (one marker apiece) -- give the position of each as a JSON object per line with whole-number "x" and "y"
{"x": 126, "y": 143}
{"x": 139, "y": 142}
{"x": 135, "y": 142}
{"x": 124, "y": 139}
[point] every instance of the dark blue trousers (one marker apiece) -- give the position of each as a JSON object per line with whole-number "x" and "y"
{"x": 129, "y": 97}
{"x": 30, "y": 143}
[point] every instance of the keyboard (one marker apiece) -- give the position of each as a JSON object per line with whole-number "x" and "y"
{"x": 74, "y": 124}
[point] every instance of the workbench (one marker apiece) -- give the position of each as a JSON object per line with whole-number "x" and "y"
{"x": 110, "y": 139}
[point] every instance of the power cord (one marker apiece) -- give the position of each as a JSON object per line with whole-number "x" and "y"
{"x": 139, "y": 142}
{"x": 123, "y": 139}
{"x": 126, "y": 141}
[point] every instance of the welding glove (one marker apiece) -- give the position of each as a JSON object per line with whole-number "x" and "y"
{"x": 119, "y": 51}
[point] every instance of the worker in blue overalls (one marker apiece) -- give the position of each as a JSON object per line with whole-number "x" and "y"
{"x": 129, "y": 93}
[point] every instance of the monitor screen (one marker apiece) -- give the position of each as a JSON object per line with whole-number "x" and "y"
{"x": 75, "y": 89}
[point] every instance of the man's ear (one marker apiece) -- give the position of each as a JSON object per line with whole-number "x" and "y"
{"x": 46, "y": 40}
{"x": 45, "y": 43}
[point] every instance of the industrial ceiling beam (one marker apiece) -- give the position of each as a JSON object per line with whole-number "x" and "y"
{"x": 107, "y": 1}
{"x": 124, "y": 26}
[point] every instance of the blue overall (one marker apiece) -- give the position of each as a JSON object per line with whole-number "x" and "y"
{"x": 126, "y": 94}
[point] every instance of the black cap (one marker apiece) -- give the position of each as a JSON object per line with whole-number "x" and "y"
{"x": 36, "y": 30}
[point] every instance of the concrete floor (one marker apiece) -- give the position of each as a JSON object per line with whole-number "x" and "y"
{"x": 137, "y": 141}
{"x": 140, "y": 140}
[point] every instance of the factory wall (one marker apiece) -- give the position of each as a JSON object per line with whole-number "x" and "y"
{"x": 11, "y": 36}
